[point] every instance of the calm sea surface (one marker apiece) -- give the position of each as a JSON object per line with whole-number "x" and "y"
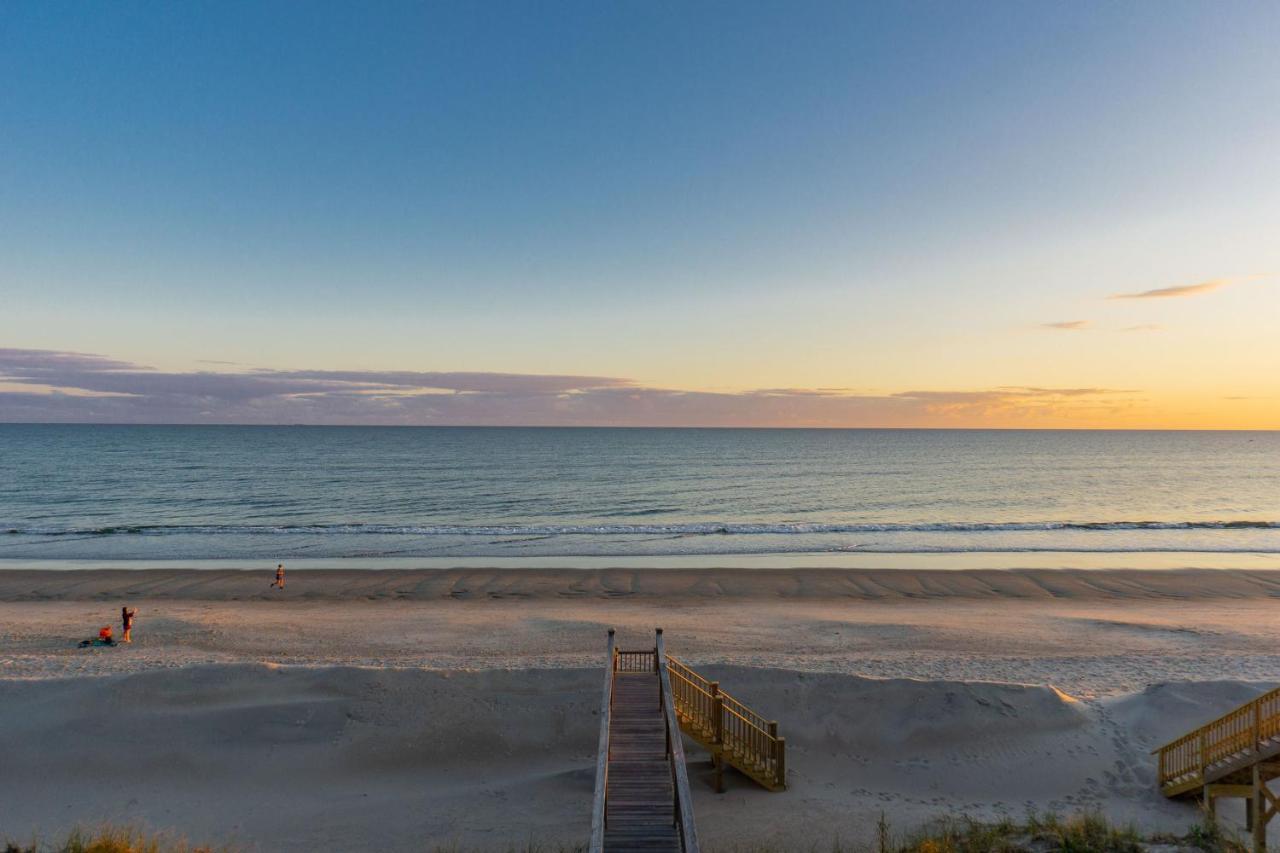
{"x": 161, "y": 492}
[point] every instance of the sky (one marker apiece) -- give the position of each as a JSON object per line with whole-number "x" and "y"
{"x": 709, "y": 214}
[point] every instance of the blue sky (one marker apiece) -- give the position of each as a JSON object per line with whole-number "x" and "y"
{"x": 720, "y": 198}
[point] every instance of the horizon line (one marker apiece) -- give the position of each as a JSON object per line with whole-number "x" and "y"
{"x": 643, "y": 426}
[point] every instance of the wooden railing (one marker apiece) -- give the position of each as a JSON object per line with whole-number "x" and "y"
{"x": 1187, "y": 763}
{"x": 644, "y": 660}
{"x": 675, "y": 751}
{"x": 728, "y": 728}
{"x": 600, "y": 802}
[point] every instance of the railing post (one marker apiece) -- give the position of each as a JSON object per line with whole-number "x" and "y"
{"x": 717, "y": 736}
{"x": 717, "y": 714}
{"x": 778, "y": 769}
{"x": 1257, "y": 725}
{"x": 1258, "y": 812}
{"x": 782, "y": 761}
{"x": 1200, "y": 764}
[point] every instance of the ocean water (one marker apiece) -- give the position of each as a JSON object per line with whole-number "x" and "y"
{"x": 78, "y": 492}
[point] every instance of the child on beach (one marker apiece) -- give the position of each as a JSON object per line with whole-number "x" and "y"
{"x": 126, "y": 622}
{"x": 279, "y": 581}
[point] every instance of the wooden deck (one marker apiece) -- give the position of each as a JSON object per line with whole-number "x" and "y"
{"x": 1232, "y": 756}
{"x": 642, "y": 800}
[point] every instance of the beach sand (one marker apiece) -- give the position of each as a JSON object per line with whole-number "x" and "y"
{"x": 391, "y": 710}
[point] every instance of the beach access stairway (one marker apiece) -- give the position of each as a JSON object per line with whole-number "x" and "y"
{"x": 642, "y": 800}
{"x": 1235, "y": 755}
{"x": 734, "y": 734}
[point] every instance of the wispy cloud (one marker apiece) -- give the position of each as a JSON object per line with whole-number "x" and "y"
{"x": 1022, "y": 404}
{"x": 1175, "y": 292}
{"x": 38, "y": 360}
{"x": 53, "y": 386}
{"x": 1006, "y": 394}
{"x": 87, "y": 372}
{"x": 1067, "y": 325}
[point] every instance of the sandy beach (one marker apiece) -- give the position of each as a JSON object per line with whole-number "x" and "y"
{"x": 391, "y": 710}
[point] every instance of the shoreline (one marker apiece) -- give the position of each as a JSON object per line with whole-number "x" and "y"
{"x": 849, "y": 560}
{"x": 652, "y": 585}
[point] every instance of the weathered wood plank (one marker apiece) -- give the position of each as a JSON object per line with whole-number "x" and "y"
{"x": 639, "y": 795}
{"x": 602, "y": 757}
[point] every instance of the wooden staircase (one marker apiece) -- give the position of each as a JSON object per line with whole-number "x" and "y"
{"x": 1232, "y": 756}
{"x": 729, "y": 730}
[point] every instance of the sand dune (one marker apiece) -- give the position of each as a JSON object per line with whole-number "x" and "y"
{"x": 282, "y": 758}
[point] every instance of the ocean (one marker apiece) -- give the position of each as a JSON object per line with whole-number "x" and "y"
{"x": 370, "y": 494}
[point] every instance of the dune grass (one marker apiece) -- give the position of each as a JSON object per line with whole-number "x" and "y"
{"x": 109, "y": 839}
{"x": 1085, "y": 832}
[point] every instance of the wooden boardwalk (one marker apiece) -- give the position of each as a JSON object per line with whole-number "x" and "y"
{"x": 641, "y": 797}
{"x": 642, "y": 801}
{"x": 1235, "y": 755}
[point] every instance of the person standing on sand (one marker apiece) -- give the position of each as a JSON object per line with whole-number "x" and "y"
{"x": 279, "y": 581}
{"x": 126, "y": 622}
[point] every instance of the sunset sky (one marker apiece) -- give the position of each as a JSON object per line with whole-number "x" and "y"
{"x": 782, "y": 214}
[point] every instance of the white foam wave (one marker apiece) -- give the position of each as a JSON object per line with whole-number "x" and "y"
{"x": 708, "y": 528}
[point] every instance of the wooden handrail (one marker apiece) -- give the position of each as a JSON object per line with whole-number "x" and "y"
{"x": 722, "y": 722}
{"x": 599, "y": 806}
{"x": 1182, "y": 763}
{"x": 635, "y": 660}
{"x": 675, "y": 750}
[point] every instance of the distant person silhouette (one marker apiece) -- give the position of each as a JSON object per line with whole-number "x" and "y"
{"x": 279, "y": 581}
{"x": 126, "y": 622}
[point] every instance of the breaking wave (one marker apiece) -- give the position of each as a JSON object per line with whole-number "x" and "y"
{"x": 682, "y": 529}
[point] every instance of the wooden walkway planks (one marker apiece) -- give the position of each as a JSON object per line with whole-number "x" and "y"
{"x": 640, "y": 805}
{"x": 642, "y": 801}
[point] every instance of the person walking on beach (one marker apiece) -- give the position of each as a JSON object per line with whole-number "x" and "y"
{"x": 279, "y": 581}
{"x": 126, "y": 622}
